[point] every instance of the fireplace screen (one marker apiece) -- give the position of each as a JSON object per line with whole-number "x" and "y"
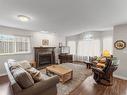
{"x": 44, "y": 59}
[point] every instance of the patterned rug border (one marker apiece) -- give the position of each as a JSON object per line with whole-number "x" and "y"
{"x": 78, "y": 78}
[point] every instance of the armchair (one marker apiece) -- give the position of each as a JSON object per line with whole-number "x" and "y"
{"x": 105, "y": 76}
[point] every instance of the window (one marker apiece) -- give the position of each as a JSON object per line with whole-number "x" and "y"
{"x": 107, "y": 44}
{"x": 72, "y": 45}
{"x": 14, "y": 44}
{"x": 89, "y": 47}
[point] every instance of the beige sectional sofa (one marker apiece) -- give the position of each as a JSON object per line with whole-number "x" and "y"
{"x": 44, "y": 87}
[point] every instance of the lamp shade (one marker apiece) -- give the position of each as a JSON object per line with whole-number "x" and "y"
{"x": 106, "y": 53}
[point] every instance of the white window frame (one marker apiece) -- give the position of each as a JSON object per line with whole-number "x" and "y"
{"x": 15, "y": 41}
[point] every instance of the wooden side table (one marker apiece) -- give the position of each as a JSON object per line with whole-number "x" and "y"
{"x": 88, "y": 64}
{"x": 33, "y": 64}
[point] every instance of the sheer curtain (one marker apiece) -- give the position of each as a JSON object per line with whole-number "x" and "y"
{"x": 85, "y": 48}
{"x": 90, "y": 44}
{"x": 108, "y": 44}
{"x": 89, "y": 48}
{"x": 72, "y": 45}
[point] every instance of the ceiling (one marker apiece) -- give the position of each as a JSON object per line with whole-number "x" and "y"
{"x": 63, "y": 16}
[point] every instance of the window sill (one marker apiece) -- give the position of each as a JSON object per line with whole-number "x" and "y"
{"x": 15, "y": 53}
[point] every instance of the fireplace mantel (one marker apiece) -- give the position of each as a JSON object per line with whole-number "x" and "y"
{"x": 44, "y": 47}
{"x": 42, "y": 54}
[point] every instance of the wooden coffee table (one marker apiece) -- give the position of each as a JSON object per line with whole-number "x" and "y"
{"x": 63, "y": 73}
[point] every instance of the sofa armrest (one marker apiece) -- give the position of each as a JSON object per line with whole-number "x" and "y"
{"x": 41, "y": 86}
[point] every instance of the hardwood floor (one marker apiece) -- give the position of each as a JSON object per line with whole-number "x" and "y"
{"x": 4, "y": 86}
{"x": 89, "y": 87}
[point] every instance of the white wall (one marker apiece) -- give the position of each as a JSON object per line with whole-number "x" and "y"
{"x": 120, "y": 33}
{"x": 36, "y": 38}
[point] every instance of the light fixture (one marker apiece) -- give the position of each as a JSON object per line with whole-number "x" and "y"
{"x": 44, "y": 32}
{"x": 23, "y": 18}
{"x": 88, "y": 37}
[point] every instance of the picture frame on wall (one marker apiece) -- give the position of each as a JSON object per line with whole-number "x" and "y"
{"x": 45, "y": 42}
{"x": 120, "y": 44}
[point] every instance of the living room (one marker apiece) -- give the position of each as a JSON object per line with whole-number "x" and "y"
{"x": 63, "y": 47}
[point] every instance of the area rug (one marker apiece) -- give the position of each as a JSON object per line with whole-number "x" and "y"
{"x": 80, "y": 73}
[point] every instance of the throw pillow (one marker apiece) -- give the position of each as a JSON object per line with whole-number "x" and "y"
{"x": 24, "y": 64}
{"x": 12, "y": 63}
{"x": 22, "y": 77}
{"x": 102, "y": 60}
{"x": 36, "y": 74}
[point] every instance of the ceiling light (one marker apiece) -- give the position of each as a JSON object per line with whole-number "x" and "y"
{"x": 88, "y": 37}
{"x": 44, "y": 32}
{"x": 23, "y": 18}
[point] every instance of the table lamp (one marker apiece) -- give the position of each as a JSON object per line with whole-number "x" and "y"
{"x": 106, "y": 53}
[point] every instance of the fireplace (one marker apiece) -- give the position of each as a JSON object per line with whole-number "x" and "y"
{"x": 44, "y": 56}
{"x": 44, "y": 59}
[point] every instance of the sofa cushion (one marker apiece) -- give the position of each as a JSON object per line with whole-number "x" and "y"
{"x": 12, "y": 63}
{"x": 22, "y": 77}
{"x": 36, "y": 74}
{"x": 102, "y": 60}
{"x": 24, "y": 64}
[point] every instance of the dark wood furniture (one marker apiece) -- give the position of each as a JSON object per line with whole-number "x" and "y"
{"x": 44, "y": 56}
{"x": 88, "y": 64}
{"x": 33, "y": 64}
{"x": 65, "y": 58}
{"x": 105, "y": 76}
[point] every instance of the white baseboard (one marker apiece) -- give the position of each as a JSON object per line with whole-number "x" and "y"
{"x": 120, "y": 77}
{"x": 3, "y": 75}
